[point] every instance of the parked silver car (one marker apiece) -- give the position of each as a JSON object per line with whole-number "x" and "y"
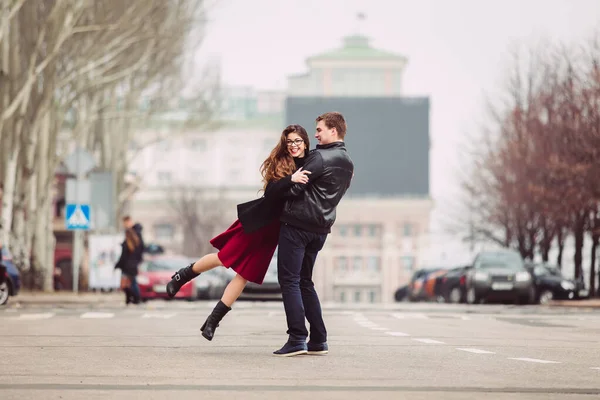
{"x": 499, "y": 275}
{"x": 269, "y": 290}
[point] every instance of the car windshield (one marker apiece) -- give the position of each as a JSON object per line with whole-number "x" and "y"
{"x": 507, "y": 260}
{"x": 167, "y": 264}
{"x": 542, "y": 270}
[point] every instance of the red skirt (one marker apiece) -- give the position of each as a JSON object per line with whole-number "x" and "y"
{"x": 248, "y": 254}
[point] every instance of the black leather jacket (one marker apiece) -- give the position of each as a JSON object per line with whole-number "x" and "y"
{"x": 312, "y": 206}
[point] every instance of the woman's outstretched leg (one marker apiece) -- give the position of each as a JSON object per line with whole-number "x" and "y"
{"x": 184, "y": 275}
{"x": 232, "y": 292}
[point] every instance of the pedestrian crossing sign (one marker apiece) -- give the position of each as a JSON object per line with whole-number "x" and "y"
{"x": 77, "y": 217}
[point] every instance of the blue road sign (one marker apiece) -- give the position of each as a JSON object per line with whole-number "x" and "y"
{"x": 77, "y": 217}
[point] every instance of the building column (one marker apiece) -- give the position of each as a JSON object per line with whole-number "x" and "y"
{"x": 390, "y": 263}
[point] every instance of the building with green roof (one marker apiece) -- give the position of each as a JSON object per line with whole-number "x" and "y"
{"x": 356, "y": 69}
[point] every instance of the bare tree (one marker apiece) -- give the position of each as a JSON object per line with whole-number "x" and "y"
{"x": 65, "y": 65}
{"x": 201, "y": 213}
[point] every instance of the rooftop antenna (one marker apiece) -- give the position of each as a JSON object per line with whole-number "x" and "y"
{"x": 361, "y": 17}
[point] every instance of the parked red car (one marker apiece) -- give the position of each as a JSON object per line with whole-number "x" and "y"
{"x": 155, "y": 273}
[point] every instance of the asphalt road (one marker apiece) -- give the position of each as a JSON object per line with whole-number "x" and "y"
{"x": 412, "y": 351}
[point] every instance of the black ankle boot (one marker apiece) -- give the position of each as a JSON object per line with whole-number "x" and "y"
{"x": 211, "y": 323}
{"x": 180, "y": 278}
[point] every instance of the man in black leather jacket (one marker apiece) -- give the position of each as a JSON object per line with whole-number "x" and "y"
{"x": 306, "y": 221}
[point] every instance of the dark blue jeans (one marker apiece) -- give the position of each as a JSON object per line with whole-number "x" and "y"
{"x": 296, "y": 257}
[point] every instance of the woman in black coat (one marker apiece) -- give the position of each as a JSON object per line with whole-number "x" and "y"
{"x": 131, "y": 257}
{"x": 247, "y": 247}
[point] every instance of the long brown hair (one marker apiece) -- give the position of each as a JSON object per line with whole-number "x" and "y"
{"x": 280, "y": 163}
{"x": 132, "y": 239}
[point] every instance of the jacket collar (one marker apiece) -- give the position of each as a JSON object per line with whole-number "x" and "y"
{"x": 332, "y": 145}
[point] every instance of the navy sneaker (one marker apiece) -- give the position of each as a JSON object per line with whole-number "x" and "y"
{"x": 317, "y": 348}
{"x": 291, "y": 349}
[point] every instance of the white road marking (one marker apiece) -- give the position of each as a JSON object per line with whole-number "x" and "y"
{"x": 598, "y": 368}
{"x": 476, "y": 351}
{"x": 397, "y": 334}
{"x": 535, "y": 360}
{"x": 410, "y": 316}
{"x": 465, "y": 318}
{"x": 158, "y": 315}
{"x": 429, "y": 341}
{"x": 96, "y": 315}
{"x": 31, "y": 317}
{"x": 367, "y": 324}
{"x": 379, "y": 328}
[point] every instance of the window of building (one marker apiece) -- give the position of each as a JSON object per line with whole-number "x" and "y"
{"x": 357, "y": 230}
{"x": 357, "y": 296}
{"x": 164, "y": 231}
{"x": 408, "y": 229}
{"x": 164, "y": 145}
{"x": 373, "y": 263}
{"x": 343, "y": 230}
{"x": 342, "y": 297}
{"x": 358, "y": 263}
{"x": 373, "y": 230}
{"x": 164, "y": 177}
{"x": 372, "y": 296}
{"x": 198, "y": 144}
{"x": 408, "y": 263}
{"x": 342, "y": 264}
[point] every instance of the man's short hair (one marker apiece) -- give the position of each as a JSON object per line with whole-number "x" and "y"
{"x": 127, "y": 218}
{"x": 335, "y": 120}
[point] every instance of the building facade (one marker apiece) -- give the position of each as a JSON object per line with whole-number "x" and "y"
{"x": 382, "y": 226}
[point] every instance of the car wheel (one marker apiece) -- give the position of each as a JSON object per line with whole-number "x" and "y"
{"x": 472, "y": 296}
{"x": 455, "y": 295}
{"x": 4, "y": 293}
{"x": 546, "y": 297}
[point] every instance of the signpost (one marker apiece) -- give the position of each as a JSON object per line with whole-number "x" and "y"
{"x": 78, "y": 217}
{"x": 78, "y": 211}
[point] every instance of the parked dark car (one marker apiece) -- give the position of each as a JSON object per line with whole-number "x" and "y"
{"x": 499, "y": 275}
{"x": 451, "y": 287}
{"x": 550, "y": 284}
{"x": 401, "y": 293}
{"x": 10, "y": 277}
{"x": 418, "y": 287}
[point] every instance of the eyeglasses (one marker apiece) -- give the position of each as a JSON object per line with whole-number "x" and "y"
{"x": 296, "y": 142}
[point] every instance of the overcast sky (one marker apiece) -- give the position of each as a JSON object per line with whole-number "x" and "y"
{"x": 457, "y": 51}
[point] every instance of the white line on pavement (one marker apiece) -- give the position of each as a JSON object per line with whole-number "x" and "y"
{"x": 476, "y": 351}
{"x": 409, "y": 316}
{"x": 96, "y": 315}
{"x": 429, "y": 341}
{"x": 535, "y": 360}
{"x": 158, "y": 315}
{"x": 465, "y": 318}
{"x": 30, "y": 317}
{"x": 379, "y": 328}
{"x": 397, "y": 334}
{"x": 598, "y": 368}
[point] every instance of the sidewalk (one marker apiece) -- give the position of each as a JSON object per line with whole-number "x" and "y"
{"x": 588, "y": 303}
{"x": 27, "y": 297}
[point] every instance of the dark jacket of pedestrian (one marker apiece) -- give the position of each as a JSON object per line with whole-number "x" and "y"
{"x": 131, "y": 253}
